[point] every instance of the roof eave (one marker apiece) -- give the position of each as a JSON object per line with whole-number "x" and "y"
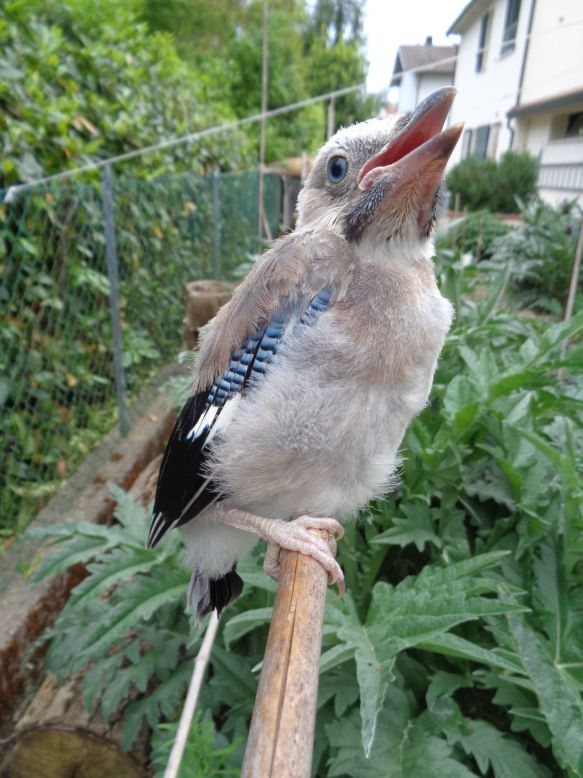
{"x": 467, "y": 16}
{"x": 548, "y": 104}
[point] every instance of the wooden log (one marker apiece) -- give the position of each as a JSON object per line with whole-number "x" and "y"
{"x": 59, "y": 752}
{"x": 57, "y": 738}
{"x": 281, "y": 735}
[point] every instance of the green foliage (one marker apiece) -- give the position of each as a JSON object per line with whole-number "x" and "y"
{"x": 207, "y": 752}
{"x": 541, "y": 251}
{"x": 333, "y": 41}
{"x": 484, "y": 183}
{"x": 79, "y": 85}
{"x": 336, "y": 21}
{"x": 312, "y": 49}
{"x": 334, "y": 67}
{"x": 124, "y": 624}
{"x": 458, "y": 648}
{"x": 474, "y": 234}
{"x": 57, "y": 390}
{"x": 300, "y": 130}
{"x": 413, "y": 613}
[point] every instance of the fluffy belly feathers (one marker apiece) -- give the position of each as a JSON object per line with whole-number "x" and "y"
{"x": 287, "y": 450}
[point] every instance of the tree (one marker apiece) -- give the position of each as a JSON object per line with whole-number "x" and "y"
{"x": 335, "y": 67}
{"x": 296, "y": 131}
{"x": 337, "y": 21}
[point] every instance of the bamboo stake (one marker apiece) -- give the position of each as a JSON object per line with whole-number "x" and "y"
{"x": 281, "y": 735}
{"x": 264, "y": 79}
{"x": 200, "y": 663}
{"x": 574, "y": 275}
{"x": 572, "y": 293}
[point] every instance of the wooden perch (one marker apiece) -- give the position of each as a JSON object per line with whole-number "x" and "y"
{"x": 281, "y": 735}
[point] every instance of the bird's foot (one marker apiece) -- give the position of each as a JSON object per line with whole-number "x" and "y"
{"x": 296, "y": 536}
{"x": 292, "y": 535}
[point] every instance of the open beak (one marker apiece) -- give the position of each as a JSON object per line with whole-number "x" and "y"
{"x": 420, "y": 151}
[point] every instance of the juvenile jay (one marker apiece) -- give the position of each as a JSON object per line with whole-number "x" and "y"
{"x": 307, "y": 378}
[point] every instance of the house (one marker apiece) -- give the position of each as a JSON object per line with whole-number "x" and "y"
{"x": 519, "y": 76}
{"x": 420, "y": 70}
{"x": 548, "y": 114}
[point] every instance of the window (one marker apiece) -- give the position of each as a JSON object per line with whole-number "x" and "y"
{"x": 574, "y": 127}
{"x": 466, "y": 143}
{"x": 493, "y": 140}
{"x": 481, "y": 142}
{"x": 510, "y": 26}
{"x": 567, "y": 125}
{"x": 483, "y": 43}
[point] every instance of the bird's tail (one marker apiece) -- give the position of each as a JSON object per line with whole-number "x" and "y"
{"x": 206, "y": 594}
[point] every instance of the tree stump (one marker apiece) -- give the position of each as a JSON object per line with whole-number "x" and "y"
{"x": 203, "y": 300}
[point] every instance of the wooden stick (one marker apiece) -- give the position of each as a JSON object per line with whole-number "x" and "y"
{"x": 572, "y": 292}
{"x": 262, "y": 140}
{"x": 281, "y": 735}
{"x": 574, "y": 275}
{"x": 200, "y": 664}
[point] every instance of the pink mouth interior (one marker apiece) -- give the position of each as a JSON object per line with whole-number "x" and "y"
{"x": 413, "y": 136}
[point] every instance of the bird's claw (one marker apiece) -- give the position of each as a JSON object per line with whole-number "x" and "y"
{"x": 296, "y": 536}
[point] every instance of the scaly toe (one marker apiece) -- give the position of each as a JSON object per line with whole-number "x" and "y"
{"x": 316, "y": 522}
{"x": 271, "y": 563}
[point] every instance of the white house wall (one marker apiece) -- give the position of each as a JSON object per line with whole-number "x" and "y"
{"x": 484, "y": 98}
{"x": 533, "y": 133}
{"x": 429, "y": 82}
{"x": 407, "y": 92}
{"x": 416, "y": 86}
{"x": 555, "y": 56}
{"x": 554, "y": 66}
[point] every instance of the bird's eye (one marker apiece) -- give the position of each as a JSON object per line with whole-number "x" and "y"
{"x": 337, "y": 169}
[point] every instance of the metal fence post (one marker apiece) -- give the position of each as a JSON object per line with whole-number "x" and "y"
{"x": 113, "y": 275}
{"x": 216, "y": 223}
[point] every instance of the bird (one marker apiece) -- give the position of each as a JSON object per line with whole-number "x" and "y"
{"x": 307, "y": 379}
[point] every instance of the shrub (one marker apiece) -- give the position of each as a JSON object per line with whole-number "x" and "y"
{"x": 75, "y": 88}
{"x": 483, "y": 183}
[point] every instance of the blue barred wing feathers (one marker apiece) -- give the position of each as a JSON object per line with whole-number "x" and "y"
{"x": 185, "y": 487}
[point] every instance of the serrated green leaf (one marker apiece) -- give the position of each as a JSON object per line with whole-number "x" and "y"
{"x": 140, "y": 598}
{"x": 553, "y": 337}
{"x": 417, "y": 610}
{"x": 559, "y": 702}
{"x": 495, "y": 294}
{"x": 335, "y": 656}
{"x": 243, "y": 623}
{"x": 403, "y": 749}
{"x": 416, "y": 527}
{"x": 164, "y": 700}
{"x": 120, "y": 565}
{"x": 233, "y": 680}
{"x": 455, "y": 646}
{"x": 79, "y": 546}
{"x": 490, "y": 748}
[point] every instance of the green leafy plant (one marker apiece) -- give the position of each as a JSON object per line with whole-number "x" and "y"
{"x": 458, "y": 648}
{"x": 474, "y": 234}
{"x": 207, "y": 752}
{"x": 542, "y": 251}
{"x": 124, "y": 625}
{"x": 484, "y": 183}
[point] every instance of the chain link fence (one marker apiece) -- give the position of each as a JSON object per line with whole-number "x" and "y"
{"x": 60, "y": 273}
